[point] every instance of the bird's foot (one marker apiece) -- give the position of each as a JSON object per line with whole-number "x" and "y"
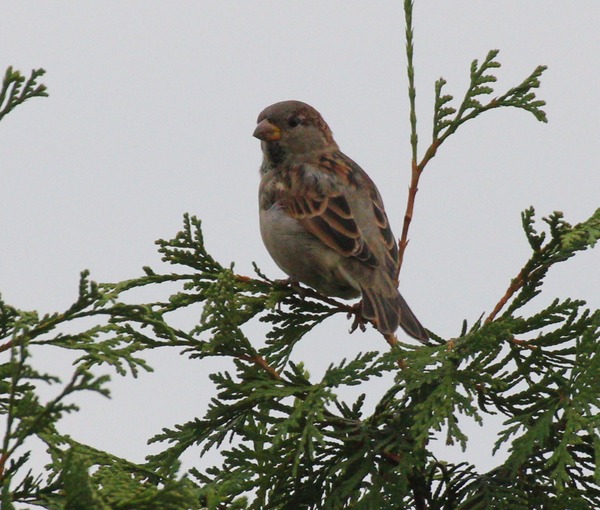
{"x": 359, "y": 321}
{"x": 285, "y": 285}
{"x": 288, "y": 283}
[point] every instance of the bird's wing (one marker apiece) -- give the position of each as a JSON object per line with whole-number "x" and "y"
{"x": 318, "y": 197}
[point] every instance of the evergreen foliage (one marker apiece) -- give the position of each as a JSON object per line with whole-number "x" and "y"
{"x": 16, "y": 90}
{"x": 287, "y": 439}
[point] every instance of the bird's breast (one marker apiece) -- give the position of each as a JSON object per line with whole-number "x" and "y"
{"x": 303, "y": 257}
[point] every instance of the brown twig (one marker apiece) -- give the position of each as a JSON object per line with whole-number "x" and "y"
{"x": 6, "y": 346}
{"x": 515, "y": 285}
{"x": 355, "y": 310}
{"x": 262, "y": 363}
{"x": 417, "y": 170}
{"x": 410, "y": 206}
{"x": 392, "y": 341}
{"x": 523, "y": 343}
{"x": 418, "y": 486}
{"x": 308, "y": 292}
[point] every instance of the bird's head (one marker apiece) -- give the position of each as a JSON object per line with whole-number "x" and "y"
{"x": 292, "y": 130}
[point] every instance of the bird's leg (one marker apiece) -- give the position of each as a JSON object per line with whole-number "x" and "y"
{"x": 307, "y": 292}
{"x": 303, "y": 292}
{"x": 286, "y": 282}
{"x": 359, "y": 321}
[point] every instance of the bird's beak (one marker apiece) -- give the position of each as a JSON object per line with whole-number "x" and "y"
{"x": 267, "y": 131}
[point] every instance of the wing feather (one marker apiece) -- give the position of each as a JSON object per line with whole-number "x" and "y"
{"x": 324, "y": 210}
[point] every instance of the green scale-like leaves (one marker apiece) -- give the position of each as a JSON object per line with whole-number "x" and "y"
{"x": 447, "y": 118}
{"x": 288, "y": 439}
{"x": 16, "y": 89}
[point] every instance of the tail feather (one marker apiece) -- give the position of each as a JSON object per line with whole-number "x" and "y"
{"x": 409, "y": 322}
{"x": 389, "y": 312}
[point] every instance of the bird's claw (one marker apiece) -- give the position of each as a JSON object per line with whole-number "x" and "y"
{"x": 284, "y": 282}
{"x": 359, "y": 321}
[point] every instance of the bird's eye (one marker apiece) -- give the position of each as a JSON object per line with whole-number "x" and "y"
{"x": 294, "y": 121}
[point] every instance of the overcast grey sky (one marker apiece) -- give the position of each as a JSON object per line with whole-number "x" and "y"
{"x": 150, "y": 115}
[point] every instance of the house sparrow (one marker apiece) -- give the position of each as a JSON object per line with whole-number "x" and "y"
{"x": 322, "y": 218}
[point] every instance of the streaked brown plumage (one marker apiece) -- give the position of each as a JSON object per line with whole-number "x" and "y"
{"x": 322, "y": 218}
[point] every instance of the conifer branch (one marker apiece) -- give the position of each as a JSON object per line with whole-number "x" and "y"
{"x": 289, "y": 439}
{"x": 292, "y": 430}
{"x": 412, "y": 92}
{"x": 262, "y": 363}
{"x": 565, "y": 240}
{"x": 447, "y": 119}
{"x": 515, "y": 285}
{"x": 16, "y": 90}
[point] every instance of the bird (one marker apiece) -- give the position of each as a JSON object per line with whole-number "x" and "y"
{"x": 322, "y": 218}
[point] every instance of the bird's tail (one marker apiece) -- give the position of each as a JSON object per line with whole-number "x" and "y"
{"x": 389, "y": 312}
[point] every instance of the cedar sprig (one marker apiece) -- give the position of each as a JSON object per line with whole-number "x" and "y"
{"x": 16, "y": 89}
